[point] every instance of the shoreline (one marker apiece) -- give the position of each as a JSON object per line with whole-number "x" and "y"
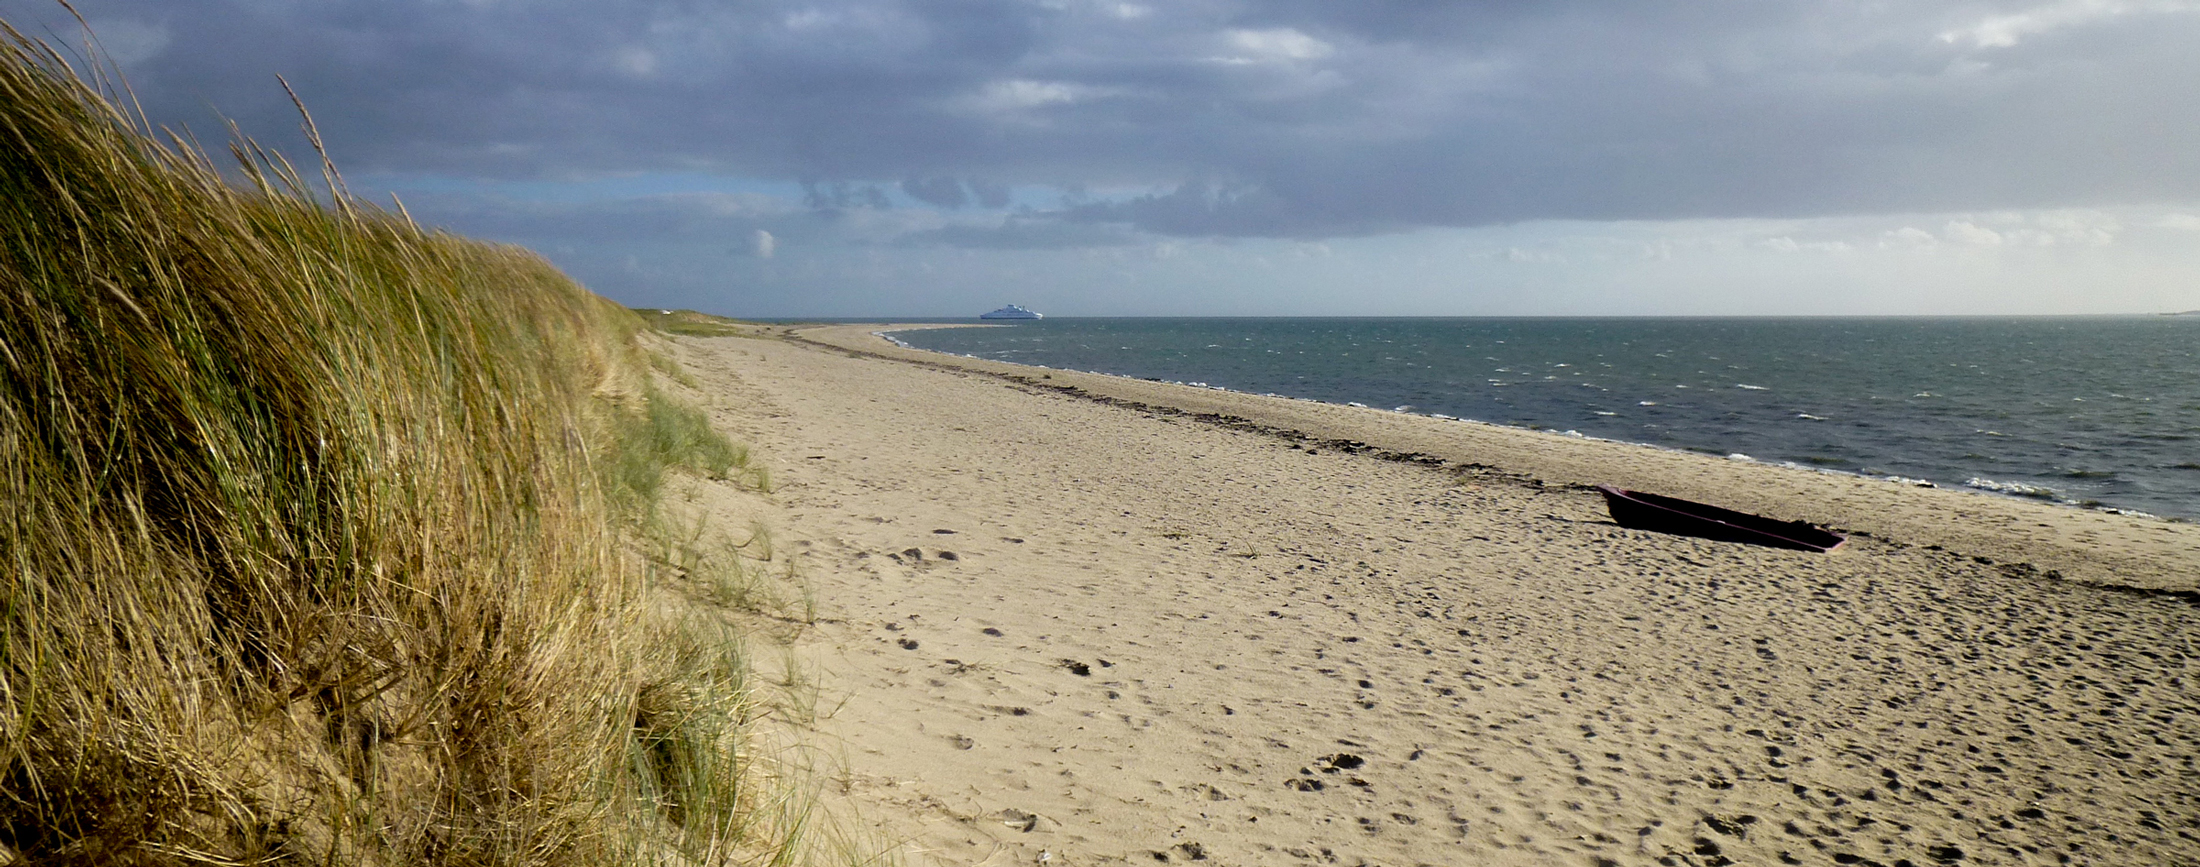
{"x": 1991, "y": 488}
{"x": 2089, "y": 546}
{"x": 1071, "y": 619}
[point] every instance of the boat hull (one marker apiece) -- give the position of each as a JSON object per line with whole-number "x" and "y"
{"x": 1640, "y": 511}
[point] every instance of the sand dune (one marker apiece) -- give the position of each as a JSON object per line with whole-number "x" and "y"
{"x": 1095, "y": 627}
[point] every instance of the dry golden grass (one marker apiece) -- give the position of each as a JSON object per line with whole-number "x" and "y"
{"x": 689, "y": 323}
{"x": 318, "y": 532}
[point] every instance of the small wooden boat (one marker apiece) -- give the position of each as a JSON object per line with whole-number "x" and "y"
{"x": 1640, "y": 511}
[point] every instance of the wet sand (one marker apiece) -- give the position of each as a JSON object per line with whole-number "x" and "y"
{"x": 1074, "y": 619}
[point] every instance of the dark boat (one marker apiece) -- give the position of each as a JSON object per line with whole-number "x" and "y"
{"x": 1640, "y": 511}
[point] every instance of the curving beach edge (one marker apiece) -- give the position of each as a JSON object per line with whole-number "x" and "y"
{"x": 1070, "y": 618}
{"x": 2019, "y": 536}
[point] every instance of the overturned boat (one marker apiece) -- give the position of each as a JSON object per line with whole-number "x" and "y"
{"x": 1661, "y": 514}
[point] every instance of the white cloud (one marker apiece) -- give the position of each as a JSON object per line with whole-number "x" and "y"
{"x": 766, "y": 245}
{"x": 2086, "y": 228}
{"x": 1966, "y": 232}
{"x": 1786, "y": 244}
{"x": 739, "y": 204}
{"x": 2005, "y": 31}
{"x": 635, "y": 61}
{"x": 1023, "y": 94}
{"x": 1908, "y": 238}
{"x": 809, "y": 19}
{"x": 1546, "y": 257}
{"x": 2181, "y": 222}
{"x": 1281, "y": 44}
{"x": 130, "y": 41}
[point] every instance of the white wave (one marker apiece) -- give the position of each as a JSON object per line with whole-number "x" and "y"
{"x": 2018, "y": 489}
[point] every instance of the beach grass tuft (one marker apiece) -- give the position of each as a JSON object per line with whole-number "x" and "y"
{"x": 317, "y": 531}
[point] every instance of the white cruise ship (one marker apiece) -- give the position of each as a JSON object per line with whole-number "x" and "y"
{"x": 1011, "y": 312}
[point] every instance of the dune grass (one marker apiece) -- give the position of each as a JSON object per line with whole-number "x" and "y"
{"x": 318, "y": 532}
{"x": 689, "y": 323}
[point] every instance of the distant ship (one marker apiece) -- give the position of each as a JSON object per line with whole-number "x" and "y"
{"x": 1010, "y": 312}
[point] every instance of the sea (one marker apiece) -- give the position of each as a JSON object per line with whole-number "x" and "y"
{"x": 2090, "y": 412}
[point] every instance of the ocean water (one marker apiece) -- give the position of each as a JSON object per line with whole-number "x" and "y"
{"x": 2100, "y": 412}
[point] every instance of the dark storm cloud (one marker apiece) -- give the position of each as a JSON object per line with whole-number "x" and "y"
{"x": 708, "y": 221}
{"x": 952, "y": 193}
{"x": 944, "y": 192}
{"x": 1025, "y": 234}
{"x": 709, "y": 225}
{"x": 1208, "y": 209}
{"x": 656, "y": 219}
{"x": 842, "y": 195}
{"x": 1291, "y": 118}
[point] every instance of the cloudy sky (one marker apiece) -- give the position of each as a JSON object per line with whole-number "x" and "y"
{"x": 1238, "y": 157}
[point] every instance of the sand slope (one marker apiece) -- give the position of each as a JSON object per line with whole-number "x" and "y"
{"x": 1068, "y": 632}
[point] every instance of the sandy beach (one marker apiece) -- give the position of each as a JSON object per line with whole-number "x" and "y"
{"x": 1071, "y": 619}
